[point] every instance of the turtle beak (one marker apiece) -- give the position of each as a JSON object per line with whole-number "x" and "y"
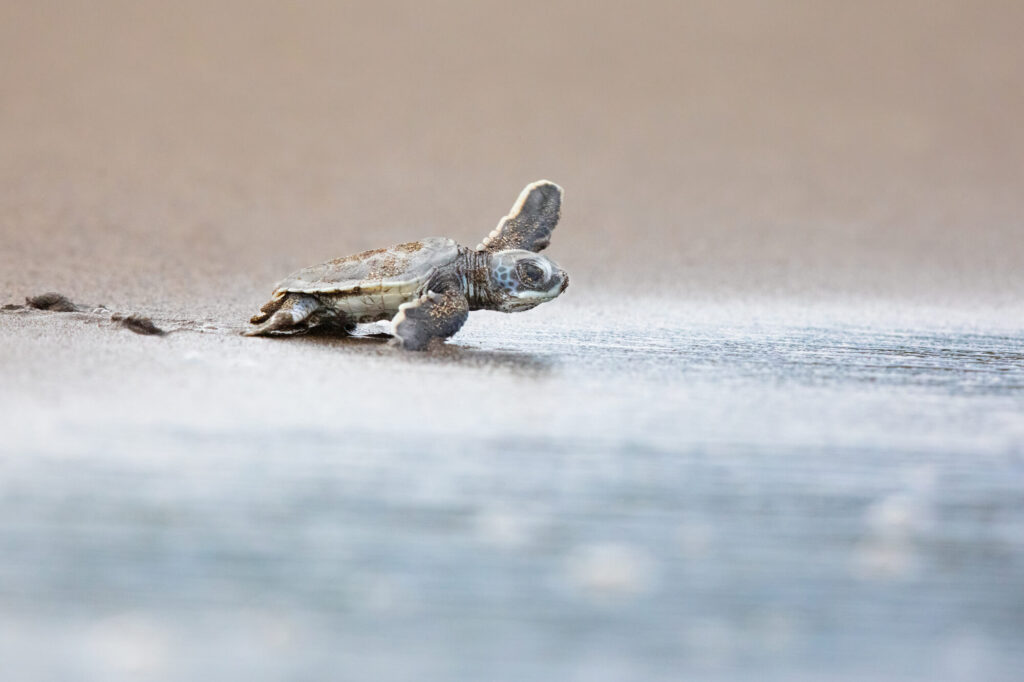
{"x": 565, "y": 282}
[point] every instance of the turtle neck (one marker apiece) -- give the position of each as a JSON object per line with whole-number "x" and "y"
{"x": 475, "y": 277}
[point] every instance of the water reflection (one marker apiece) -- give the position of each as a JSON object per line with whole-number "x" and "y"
{"x": 379, "y": 345}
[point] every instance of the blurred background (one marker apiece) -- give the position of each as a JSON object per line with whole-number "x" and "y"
{"x": 772, "y": 147}
{"x": 773, "y": 430}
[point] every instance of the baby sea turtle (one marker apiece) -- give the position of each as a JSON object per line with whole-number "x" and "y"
{"x": 427, "y": 288}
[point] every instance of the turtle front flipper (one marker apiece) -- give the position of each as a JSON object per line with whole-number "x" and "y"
{"x": 431, "y": 316}
{"x": 531, "y": 221}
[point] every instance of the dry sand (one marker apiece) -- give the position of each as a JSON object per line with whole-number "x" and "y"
{"x": 182, "y": 156}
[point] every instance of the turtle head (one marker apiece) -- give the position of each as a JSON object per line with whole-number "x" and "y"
{"x": 521, "y": 280}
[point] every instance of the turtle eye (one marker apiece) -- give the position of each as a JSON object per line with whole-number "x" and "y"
{"x": 530, "y": 273}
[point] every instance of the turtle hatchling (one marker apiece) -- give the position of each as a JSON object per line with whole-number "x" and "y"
{"x": 427, "y": 288}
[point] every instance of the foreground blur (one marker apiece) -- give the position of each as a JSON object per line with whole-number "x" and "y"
{"x": 550, "y": 500}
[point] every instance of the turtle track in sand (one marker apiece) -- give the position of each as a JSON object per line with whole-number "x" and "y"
{"x": 145, "y": 325}
{"x": 54, "y": 302}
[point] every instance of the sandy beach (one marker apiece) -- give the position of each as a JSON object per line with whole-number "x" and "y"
{"x": 773, "y": 429}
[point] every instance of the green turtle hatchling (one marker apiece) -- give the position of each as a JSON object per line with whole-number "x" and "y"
{"x": 427, "y": 288}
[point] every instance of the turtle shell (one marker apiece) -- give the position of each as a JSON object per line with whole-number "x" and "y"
{"x": 401, "y": 267}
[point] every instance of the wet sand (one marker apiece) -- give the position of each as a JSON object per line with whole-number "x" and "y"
{"x": 694, "y": 497}
{"x": 772, "y": 430}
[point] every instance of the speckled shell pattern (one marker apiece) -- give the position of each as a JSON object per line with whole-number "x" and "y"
{"x": 369, "y": 286}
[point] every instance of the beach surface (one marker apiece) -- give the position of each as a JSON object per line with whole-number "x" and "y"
{"x": 773, "y": 430}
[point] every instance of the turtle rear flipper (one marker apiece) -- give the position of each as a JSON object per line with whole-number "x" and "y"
{"x": 431, "y": 316}
{"x": 268, "y": 309}
{"x": 285, "y": 315}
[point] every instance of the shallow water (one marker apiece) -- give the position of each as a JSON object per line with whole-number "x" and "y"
{"x": 559, "y": 496}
